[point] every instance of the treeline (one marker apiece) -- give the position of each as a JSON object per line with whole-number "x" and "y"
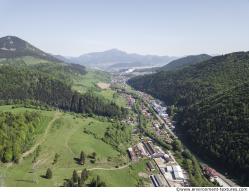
{"x": 17, "y": 134}
{"x": 212, "y": 102}
{"x": 63, "y": 72}
{"x": 20, "y": 83}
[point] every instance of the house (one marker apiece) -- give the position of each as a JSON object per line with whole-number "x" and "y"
{"x": 132, "y": 154}
{"x": 210, "y": 172}
{"x": 177, "y": 171}
{"x": 150, "y": 166}
{"x": 142, "y": 149}
{"x": 159, "y": 181}
{"x": 149, "y": 148}
{"x": 154, "y": 181}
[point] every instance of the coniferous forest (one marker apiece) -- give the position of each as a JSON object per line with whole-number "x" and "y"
{"x": 22, "y": 83}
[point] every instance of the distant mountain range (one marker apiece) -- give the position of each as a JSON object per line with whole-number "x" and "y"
{"x": 13, "y": 47}
{"x": 177, "y": 64}
{"x": 116, "y": 59}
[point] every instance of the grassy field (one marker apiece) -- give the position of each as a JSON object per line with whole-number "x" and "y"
{"x": 28, "y": 60}
{"x": 68, "y": 135}
{"x": 89, "y": 81}
{"x": 124, "y": 177}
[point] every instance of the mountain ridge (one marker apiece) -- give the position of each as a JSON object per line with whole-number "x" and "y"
{"x": 13, "y": 47}
{"x": 186, "y": 61}
{"x": 110, "y": 57}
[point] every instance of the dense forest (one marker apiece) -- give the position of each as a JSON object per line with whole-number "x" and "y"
{"x": 22, "y": 83}
{"x": 185, "y": 61}
{"x": 212, "y": 102}
{"x": 191, "y": 84}
{"x": 17, "y": 133}
{"x": 219, "y": 126}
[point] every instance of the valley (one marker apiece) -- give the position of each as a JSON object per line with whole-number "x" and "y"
{"x": 63, "y": 124}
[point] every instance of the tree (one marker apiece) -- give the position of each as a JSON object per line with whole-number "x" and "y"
{"x": 94, "y": 155}
{"x": 49, "y": 173}
{"x": 82, "y": 158}
{"x": 80, "y": 182}
{"x": 176, "y": 145}
{"x": 97, "y": 182}
{"x": 75, "y": 176}
{"x": 84, "y": 175}
{"x": 56, "y": 158}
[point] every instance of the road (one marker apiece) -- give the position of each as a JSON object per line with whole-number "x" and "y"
{"x": 222, "y": 177}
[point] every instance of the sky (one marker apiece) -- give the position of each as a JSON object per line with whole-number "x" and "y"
{"x": 162, "y": 27}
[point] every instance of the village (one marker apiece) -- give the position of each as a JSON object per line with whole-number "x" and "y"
{"x": 164, "y": 169}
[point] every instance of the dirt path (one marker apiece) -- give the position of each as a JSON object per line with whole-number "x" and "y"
{"x": 40, "y": 141}
{"x": 108, "y": 169}
{"x": 43, "y": 138}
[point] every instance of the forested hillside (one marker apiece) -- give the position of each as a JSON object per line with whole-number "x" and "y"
{"x": 186, "y": 86}
{"x": 219, "y": 127}
{"x": 13, "y": 47}
{"x": 212, "y": 101}
{"x": 21, "y": 83}
{"x": 63, "y": 71}
{"x": 17, "y": 133}
{"x": 185, "y": 61}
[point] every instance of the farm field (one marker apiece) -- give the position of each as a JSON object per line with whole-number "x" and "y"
{"x": 68, "y": 135}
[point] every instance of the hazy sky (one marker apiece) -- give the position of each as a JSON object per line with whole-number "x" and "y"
{"x": 164, "y": 27}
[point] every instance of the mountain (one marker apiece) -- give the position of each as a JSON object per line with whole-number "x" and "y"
{"x": 105, "y": 59}
{"x": 13, "y": 47}
{"x": 28, "y": 74}
{"x": 219, "y": 127}
{"x": 188, "y": 85}
{"x": 212, "y": 105}
{"x": 186, "y": 61}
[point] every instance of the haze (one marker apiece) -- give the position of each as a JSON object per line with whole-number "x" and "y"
{"x": 160, "y": 27}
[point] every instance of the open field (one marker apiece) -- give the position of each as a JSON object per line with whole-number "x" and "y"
{"x": 89, "y": 81}
{"x": 67, "y": 135}
{"x": 103, "y": 85}
{"x": 124, "y": 177}
{"x": 98, "y": 82}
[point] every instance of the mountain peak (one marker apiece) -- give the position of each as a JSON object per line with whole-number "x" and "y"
{"x": 12, "y": 46}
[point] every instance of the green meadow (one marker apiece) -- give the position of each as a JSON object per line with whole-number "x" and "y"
{"x": 68, "y": 135}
